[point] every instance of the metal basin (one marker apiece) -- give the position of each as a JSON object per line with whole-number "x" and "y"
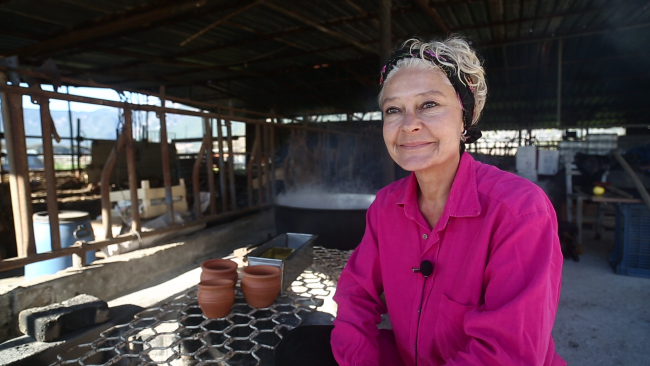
{"x": 339, "y": 219}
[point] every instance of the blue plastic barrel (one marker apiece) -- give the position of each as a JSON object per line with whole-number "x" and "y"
{"x": 73, "y": 226}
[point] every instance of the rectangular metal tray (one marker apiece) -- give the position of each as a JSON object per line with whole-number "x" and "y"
{"x": 294, "y": 264}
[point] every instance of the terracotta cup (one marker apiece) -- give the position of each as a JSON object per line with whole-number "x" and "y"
{"x": 261, "y": 285}
{"x": 216, "y": 297}
{"x": 219, "y": 268}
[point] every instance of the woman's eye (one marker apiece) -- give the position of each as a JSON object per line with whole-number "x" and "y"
{"x": 428, "y": 104}
{"x": 391, "y": 110}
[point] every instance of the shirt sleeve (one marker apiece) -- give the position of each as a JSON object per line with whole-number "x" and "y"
{"x": 355, "y": 336}
{"x": 522, "y": 289}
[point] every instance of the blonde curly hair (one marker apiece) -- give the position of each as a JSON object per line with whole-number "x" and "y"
{"x": 458, "y": 55}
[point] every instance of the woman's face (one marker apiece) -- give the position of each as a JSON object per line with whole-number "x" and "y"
{"x": 422, "y": 119}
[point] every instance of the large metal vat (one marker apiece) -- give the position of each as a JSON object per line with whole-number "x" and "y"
{"x": 339, "y": 219}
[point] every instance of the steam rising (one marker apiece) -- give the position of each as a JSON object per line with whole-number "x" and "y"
{"x": 316, "y": 199}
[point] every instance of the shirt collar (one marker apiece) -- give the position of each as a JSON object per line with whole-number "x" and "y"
{"x": 463, "y": 197}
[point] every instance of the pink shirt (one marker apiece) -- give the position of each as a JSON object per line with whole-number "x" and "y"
{"x": 495, "y": 287}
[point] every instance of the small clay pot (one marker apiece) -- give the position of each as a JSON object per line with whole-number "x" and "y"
{"x": 219, "y": 268}
{"x": 216, "y": 297}
{"x": 261, "y": 285}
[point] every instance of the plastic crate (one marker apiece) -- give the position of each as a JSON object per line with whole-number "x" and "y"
{"x": 631, "y": 255}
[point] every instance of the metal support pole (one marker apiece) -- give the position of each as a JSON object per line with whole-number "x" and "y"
{"x": 67, "y": 90}
{"x": 258, "y": 161}
{"x": 164, "y": 151}
{"x": 222, "y": 172}
{"x": 559, "y": 83}
{"x": 385, "y": 33}
{"x": 132, "y": 170}
{"x": 267, "y": 168}
{"x": 272, "y": 146}
{"x": 14, "y": 130}
{"x": 231, "y": 165}
{"x": 79, "y": 144}
{"x": 209, "y": 164}
{"x": 195, "y": 177}
{"x": 50, "y": 174}
{"x": 249, "y": 167}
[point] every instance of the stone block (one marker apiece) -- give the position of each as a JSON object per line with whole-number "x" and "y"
{"x": 50, "y": 322}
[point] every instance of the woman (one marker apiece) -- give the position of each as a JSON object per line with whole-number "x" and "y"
{"x": 467, "y": 256}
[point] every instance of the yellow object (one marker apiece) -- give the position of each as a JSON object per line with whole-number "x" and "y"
{"x": 599, "y": 191}
{"x": 278, "y": 253}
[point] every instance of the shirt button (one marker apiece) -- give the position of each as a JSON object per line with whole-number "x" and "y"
{"x": 425, "y": 236}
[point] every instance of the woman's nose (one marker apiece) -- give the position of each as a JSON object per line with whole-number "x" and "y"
{"x": 411, "y": 122}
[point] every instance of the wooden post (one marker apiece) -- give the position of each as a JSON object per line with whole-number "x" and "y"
{"x": 14, "y": 129}
{"x": 195, "y": 178}
{"x": 209, "y": 164}
{"x": 132, "y": 171}
{"x": 50, "y": 174}
{"x": 105, "y": 185}
{"x": 164, "y": 152}
{"x": 222, "y": 172}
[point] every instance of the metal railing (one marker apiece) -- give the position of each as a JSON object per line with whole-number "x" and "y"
{"x": 260, "y": 164}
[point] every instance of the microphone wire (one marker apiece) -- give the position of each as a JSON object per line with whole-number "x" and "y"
{"x": 417, "y": 328}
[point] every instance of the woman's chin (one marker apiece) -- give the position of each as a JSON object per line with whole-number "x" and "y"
{"x": 414, "y": 165}
{"x": 420, "y": 163}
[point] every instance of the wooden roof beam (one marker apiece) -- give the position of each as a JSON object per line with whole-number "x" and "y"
{"x": 220, "y": 21}
{"x": 314, "y": 24}
{"x": 502, "y": 23}
{"x": 121, "y": 24}
{"x": 274, "y": 36}
{"x": 433, "y": 14}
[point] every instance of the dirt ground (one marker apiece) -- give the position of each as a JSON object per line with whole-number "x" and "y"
{"x": 603, "y": 318}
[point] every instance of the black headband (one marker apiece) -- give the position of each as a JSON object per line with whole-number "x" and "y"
{"x": 463, "y": 88}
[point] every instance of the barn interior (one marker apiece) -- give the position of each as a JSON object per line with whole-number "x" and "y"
{"x": 218, "y": 118}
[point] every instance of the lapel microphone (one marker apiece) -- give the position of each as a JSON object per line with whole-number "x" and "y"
{"x": 426, "y": 268}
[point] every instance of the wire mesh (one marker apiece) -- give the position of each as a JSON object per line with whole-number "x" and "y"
{"x": 177, "y": 333}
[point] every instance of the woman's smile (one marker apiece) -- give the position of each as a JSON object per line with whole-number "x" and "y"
{"x": 414, "y": 145}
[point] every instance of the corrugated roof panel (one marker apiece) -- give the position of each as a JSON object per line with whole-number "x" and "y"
{"x": 244, "y": 57}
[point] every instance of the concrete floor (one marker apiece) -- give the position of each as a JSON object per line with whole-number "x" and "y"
{"x": 603, "y": 318}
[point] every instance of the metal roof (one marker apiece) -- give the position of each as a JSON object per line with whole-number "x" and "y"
{"x": 299, "y": 57}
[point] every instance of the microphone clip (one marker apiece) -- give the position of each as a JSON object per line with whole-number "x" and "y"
{"x": 426, "y": 268}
